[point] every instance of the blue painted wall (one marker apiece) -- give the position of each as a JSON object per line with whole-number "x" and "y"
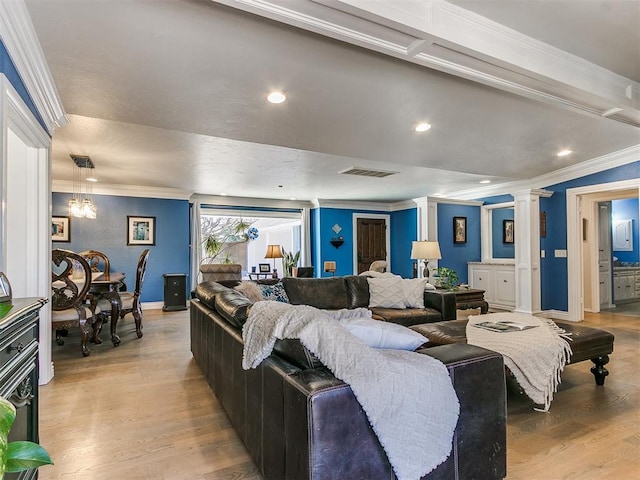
{"x": 403, "y": 232}
{"x": 8, "y": 68}
{"x": 623, "y": 210}
{"x": 457, "y": 255}
{"x": 108, "y": 234}
{"x": 501, "y": 249}
{"x": 554, "y": 270}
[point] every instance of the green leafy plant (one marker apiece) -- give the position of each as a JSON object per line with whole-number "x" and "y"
{"x": 448, "y": 278}
{"x": 289, "y": 260}
{"x": 220, "y": 234}
{"x": 21, "y": 455}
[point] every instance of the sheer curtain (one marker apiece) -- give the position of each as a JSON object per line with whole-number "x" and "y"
{"x": 196, "y": 242}
{"x": 305, "y": 230}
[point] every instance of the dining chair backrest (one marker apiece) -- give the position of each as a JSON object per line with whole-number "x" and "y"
{"x": 141, "y": 270}
{"x": 98, "y": 261}
{"x": 70, "y": 279}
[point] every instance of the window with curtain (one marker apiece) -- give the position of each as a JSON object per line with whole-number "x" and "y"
{"x": 242, "y": 236}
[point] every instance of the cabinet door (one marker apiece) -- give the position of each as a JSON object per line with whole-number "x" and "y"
{"x": 624, "y": 286}
{"x": 481, "y": 278}
{"x": 605, "y": 291}
{"x": 505, "y": 287}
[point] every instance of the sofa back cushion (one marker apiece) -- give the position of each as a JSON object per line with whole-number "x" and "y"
{"x": 324, "y": 293}
{"x": 358, "y": 291}
{"x": 233, "y": 306}
{"x": 206, "y": 292}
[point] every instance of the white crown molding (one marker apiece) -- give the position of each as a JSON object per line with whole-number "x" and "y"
{"x": 448, "y": 38}
{"x": 64, "y": 186}
{"x": 589, "y": 167}
{"x": 354, "y": 205}
{"x": 403, "y": 205}
{"x": 20, "y": 39}
{"x": 227, "y": 201}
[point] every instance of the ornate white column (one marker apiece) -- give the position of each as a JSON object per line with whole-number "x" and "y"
{"x": 527, "y": 249}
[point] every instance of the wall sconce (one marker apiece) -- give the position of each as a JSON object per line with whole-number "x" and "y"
{"x": 81, "y": 205}
{"x": 422, "y": 250}
{"x": 339, "y": 239}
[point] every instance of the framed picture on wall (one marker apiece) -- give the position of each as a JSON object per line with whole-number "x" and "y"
{"x": 60, "y": 229}
{"x": 141, "y": 230}
{"x": 507, "y": 231}
{"x": 459, "y": 229}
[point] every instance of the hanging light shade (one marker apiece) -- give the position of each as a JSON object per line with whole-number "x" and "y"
{"x": 81, "y": 205}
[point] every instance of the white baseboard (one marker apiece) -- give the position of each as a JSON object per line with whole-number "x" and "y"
{"x": 155, "y": 305}
{"x": 557, "y": 315}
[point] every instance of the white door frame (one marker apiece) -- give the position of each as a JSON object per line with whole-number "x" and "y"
{"x": 387, "y": 222}
{"x": 575, "y": 196}
{"x": 16, "y": 117}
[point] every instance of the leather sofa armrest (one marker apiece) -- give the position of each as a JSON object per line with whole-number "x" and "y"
{"x": 478, "y": 377}
{"x": 443, "y": 301}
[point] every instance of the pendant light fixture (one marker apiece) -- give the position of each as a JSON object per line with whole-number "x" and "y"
{"x": 81, "y": 205}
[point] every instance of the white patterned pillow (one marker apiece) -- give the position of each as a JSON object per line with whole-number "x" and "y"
{"x": 414, "y": 292}
{"x": 386, "y": 292}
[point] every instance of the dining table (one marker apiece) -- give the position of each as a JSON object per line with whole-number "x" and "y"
{"x": 105, "y": 285}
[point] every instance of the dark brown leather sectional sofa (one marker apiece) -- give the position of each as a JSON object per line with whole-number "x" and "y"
{"x": 300, "y": 422}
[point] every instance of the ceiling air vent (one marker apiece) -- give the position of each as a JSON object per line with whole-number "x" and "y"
{"x": 366, "y": 172}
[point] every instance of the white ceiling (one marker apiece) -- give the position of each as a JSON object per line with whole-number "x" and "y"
{"x": 171, "y": 94}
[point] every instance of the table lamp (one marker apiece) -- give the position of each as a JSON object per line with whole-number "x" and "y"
{"x": 273, "y": 251}
{"x": 423, "y": 250}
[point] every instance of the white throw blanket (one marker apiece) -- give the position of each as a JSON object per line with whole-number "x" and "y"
{"x": 536, "y": 356}
{"x": 408, "y": 397}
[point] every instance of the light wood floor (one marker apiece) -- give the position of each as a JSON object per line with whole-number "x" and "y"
{"x": 144, "y": 411}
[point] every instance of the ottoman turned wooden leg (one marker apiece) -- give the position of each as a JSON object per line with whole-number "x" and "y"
{"x": 598, "y": 370}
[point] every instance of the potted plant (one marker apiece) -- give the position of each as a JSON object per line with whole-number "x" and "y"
{"x": 21, "y": 455}
{"x": 448, "y": 278}
{"x": 289, "y": 261}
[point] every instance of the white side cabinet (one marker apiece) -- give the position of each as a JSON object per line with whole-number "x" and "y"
{"x": 498, "y": 280}
{"x": 626, "y": 284}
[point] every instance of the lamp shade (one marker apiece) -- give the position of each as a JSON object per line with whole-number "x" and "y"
{"x": 423, "y": 250}
{"x": 273, "y": 251}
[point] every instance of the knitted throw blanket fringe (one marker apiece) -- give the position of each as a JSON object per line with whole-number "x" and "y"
{"x": 407, "y": 397}
{"x": 535, "y": 356}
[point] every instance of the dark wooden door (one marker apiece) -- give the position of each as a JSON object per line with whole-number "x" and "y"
{"x": 372, "y": 242}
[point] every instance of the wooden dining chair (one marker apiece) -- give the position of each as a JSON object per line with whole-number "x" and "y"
{"x": 98, "y": 261}
{"x": 70, "y": 282}
{"x": 131, "y": 300}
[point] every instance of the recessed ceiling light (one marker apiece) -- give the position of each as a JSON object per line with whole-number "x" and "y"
{"x": 564, "y": 153}
{"x": 276, "y": 97}
{"x": 292, "y": 198}
{"x": 92, "y": 179}
{"x": 422, "y": 127}
{"x": 223, "y": 194}
{"x": 484, "y": 181}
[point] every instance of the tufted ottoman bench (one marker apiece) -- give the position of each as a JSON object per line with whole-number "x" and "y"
{"x": 587, "y": 343}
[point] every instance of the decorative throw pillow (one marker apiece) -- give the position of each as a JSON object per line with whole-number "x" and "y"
{"x": 386, "y": 292}
{"x": 379, "y": 334}
{"x": 274, "y": 292}
{"x": 250, "y": 290}
{"x": 428, "y": 286}
{"x": 414, "y": 292}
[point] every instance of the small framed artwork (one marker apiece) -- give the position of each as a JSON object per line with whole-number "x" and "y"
{"x": 459, "y": 229}
{"x": 264, "y": 267}
{"x": 60, "y": 229}
{"x": 141, "y": 230}
{"x": 507, "y": 231}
